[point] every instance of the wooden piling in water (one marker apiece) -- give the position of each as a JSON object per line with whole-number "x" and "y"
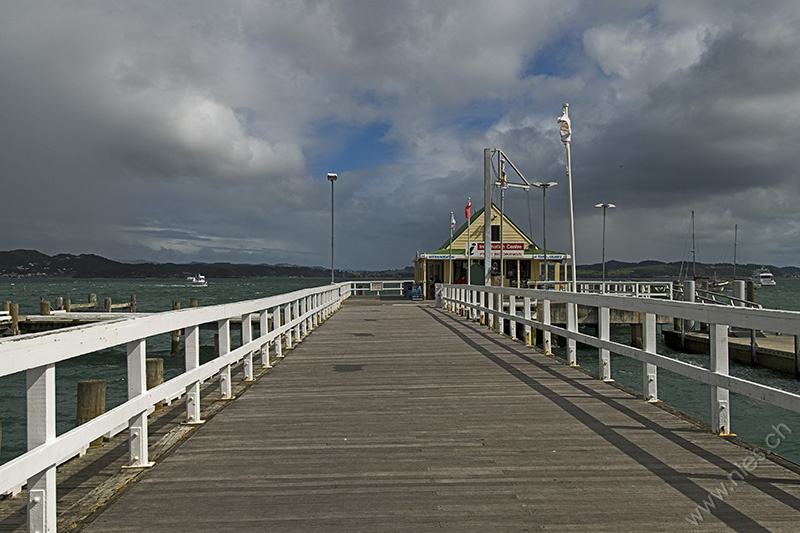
{"x": 637, "y": 335}
{"x": 154, "y": 368}
{"x": 67, "y": 305}
{"x": 14, "y": 311}
{"x": 91, "y": 403}
{"x": 107, "y": 304}
{"x": 133, "y": 303}
{"x": 175, "y": 348}
{"x": 44, "y": 307}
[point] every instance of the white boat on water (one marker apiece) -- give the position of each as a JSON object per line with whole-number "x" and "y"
{"x": 196, "y": 281}
{"x": 763, "y": 277}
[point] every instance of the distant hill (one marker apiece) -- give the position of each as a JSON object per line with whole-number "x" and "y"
{"x": 619, "y": 270}
{"x": 31, "y": 263}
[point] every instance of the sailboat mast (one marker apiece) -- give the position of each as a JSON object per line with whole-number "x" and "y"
{"x": 694, "y": 257}
{"x": 735, "y": 240}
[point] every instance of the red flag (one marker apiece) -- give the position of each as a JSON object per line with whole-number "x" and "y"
{"x": 468, "y": 209}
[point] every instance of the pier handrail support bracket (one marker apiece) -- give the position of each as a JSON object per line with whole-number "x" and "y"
{"x": 650, "y": 371}
{"x": 720, "y": 407}
{"x": 604, "y": 334}
{"x": 137, "y": 385}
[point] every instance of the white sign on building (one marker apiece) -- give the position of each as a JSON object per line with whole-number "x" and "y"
{"x": 510, "y": 250}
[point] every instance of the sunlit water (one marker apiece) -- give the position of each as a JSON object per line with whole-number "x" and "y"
{"x": 751, "y": 420}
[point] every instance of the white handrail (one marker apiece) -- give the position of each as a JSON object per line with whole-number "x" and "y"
{"x": 720, "y": 318}
{"x": 294, "y": 314}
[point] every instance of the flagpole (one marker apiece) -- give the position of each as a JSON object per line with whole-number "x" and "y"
{"x": 468, "y": 213}
{"x": 452, "y": 224}
{"x": 565, "y": 127}
{"x": 502, "y": 165}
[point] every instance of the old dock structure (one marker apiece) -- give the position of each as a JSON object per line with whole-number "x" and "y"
{"x": 407, "y": 416}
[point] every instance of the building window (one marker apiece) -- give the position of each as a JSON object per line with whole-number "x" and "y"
{"x": 496, "y": 233}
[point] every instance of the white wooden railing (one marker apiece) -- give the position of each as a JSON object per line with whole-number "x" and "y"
{"x": 642, "y": 289}
{"x": 292, "y": 315}
{"x": 386, "y": 286}
{"x": 494, "y": 306}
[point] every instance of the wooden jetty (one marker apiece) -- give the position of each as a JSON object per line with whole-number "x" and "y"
{"x": 404, "y": 417}
{"x": 778, "y": 352}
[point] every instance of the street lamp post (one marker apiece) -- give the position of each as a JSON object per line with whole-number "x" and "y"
{"x": 605, "y": 207}
{"x": 332, "y": 177}
{"x": 544, "y": 187}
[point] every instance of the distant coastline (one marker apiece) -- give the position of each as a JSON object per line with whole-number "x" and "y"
{"x": 34, "y": 264}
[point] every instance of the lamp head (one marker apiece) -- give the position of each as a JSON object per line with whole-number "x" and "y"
{"x": 332, "y": 176}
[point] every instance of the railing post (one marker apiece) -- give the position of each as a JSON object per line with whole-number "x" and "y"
{"x": 296, "y": 315}
{"x": 287, "y": 310}
{"x": 572, "y": 325}
{"x": 650, "y": 388}
{"x": 41, "y": 415}
{"x": 315, "y": 309}
{"x": 546, "y": 336}
{"x": 512, "y": 309}
{"x": 501, "y": 322}
{"x": 720, "y": 412}
{"x": 225, "y": 385}
{"x": 137, "y": 385}
{"x": 277, "y": 314}
{"x": 263, "y": 326}
{"x": 604, "y": 333}
{"x": 483, "y": 299}
{"x": 191, "y": 361}
{"x": 308, "y": 308}
{"x": 526, "y": 303}
{"x": 247, "y": 337}
{"x": 688, "y": 296}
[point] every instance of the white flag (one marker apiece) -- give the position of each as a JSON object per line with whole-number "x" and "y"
{"x": 452, "y": 221}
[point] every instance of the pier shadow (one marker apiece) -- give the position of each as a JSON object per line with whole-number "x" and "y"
{"x": 678, "y": 480}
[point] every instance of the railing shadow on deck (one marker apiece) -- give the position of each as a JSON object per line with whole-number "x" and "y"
{"x": 496, "y": 306}
{"x": 681, "y": 482}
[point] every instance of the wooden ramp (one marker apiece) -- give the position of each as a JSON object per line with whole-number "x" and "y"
{"x": 401, "y": 417}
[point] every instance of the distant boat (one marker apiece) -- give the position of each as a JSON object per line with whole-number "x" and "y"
{"x": 763, "y": 277}
{"x": 196, "y": 281}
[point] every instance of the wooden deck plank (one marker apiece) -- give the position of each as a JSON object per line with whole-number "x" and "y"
{"x": 406, "y": 418}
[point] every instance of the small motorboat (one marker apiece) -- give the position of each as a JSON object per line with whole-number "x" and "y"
{"x": 197, "y": 280}
{"x": 763, "y": 277}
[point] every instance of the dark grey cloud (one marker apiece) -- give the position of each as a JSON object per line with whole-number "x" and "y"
{"x": 199, "y": 130}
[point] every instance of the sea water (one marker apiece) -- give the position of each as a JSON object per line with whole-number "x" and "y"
{"x": 110, "y": 365}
